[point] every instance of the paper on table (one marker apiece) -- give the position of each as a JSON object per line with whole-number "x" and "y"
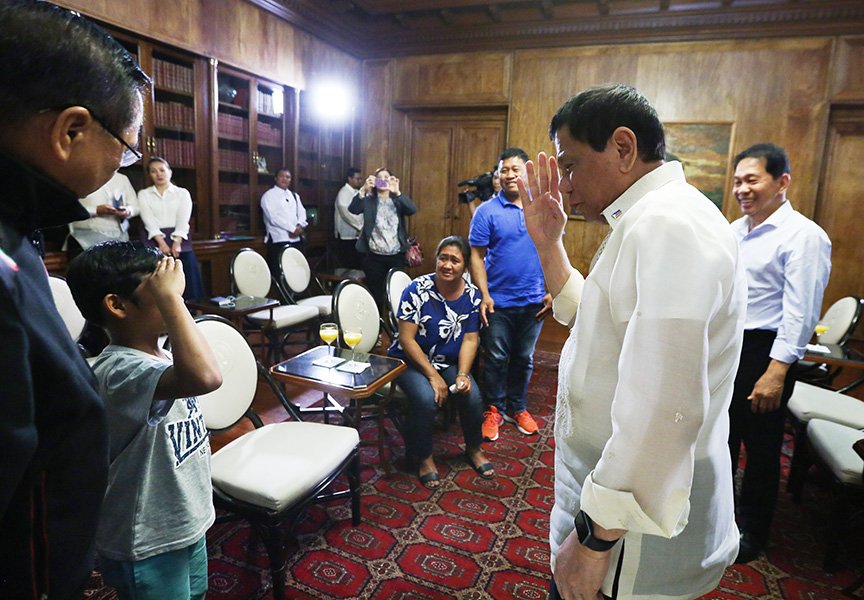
{"x": 328, "y": 362}
{"x": 353, "y": 367}
{"x": 818, "y": 349}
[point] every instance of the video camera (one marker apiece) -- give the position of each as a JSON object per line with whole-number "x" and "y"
{"x": 482, "y": 185}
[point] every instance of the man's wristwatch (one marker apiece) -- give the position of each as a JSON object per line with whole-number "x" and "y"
{"x": 585, "y": 531}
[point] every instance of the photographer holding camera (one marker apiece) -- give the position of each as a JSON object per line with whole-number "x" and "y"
{"x": 383, "y": 239}
{"x": 485, "y": 186}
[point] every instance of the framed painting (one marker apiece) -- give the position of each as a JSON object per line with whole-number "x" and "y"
{"x": 703, "y": 149}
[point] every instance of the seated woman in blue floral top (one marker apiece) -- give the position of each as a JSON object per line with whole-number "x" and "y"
{"x": 439, "y": 324}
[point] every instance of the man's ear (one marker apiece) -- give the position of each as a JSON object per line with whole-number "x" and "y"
{"x": 114, "y": 306}
{"x": 69, "y": 131}
{"x": 626, "y": 148}
{"x": 785, "y": 180}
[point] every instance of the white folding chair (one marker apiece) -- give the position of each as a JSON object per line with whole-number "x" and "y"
{"x": 809, "y": 403}
{"x": 832, "y": 445}
{"x": 296, "y": 276}
{"x": 397, "y": 281}
{"x": 270, "y": 474}
{"x": 72, "y": 317}
{"x": 251, "y": 276}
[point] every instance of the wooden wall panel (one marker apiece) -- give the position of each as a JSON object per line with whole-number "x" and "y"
{"x": 453, "y": 79}
{"x": 848, "y": 81}
{"x": 374, "y": 100}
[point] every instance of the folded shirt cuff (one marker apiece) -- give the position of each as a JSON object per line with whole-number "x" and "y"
{"x": 614, "y": 509}
{"x": 566, "y": 303}
{"x": 785, "y": 352}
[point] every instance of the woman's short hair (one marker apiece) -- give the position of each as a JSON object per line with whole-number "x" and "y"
{"x": 459, "y": 242}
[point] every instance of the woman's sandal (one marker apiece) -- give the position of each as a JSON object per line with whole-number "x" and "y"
{"x": 431, "y": 480}
{"x": 482, "y": 470}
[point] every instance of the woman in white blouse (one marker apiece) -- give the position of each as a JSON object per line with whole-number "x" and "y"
{"x": 166, "y": 210}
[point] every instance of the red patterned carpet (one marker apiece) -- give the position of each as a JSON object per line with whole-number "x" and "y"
{"x": 473, "y": 538}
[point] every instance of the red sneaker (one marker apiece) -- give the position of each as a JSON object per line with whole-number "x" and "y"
{"x": 524, "y": 422}
{"x": 491, "y": 421}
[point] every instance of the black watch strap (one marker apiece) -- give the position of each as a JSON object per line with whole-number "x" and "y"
{"x": 585, "y": 531}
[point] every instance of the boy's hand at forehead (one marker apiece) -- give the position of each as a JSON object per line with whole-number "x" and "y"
{"x": 167, "y": 281}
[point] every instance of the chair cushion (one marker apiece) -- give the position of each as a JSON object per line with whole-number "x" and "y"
{"x": 279, "y": 465}
{"x": 812, "y": 402}
{"x": 285, "y": 315}
{"x": 324, "y": 304}
{"x": 833, "y": 443}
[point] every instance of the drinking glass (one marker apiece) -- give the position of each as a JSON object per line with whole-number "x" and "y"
{"x": 820, "y": 329}
{"x": 328, "y": 332}
{"x": 352, "y": 338}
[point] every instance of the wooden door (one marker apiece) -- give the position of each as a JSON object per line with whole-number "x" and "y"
{"x": 838, "y": 207}
{"x": 443, "y": 149}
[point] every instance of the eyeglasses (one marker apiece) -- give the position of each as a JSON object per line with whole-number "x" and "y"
{"x": 130, "y": 155}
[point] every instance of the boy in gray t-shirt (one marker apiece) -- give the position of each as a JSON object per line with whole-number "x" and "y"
{"x": 158, "y": 505}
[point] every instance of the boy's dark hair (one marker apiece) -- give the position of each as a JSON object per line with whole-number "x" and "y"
{"x": 776, "y": 160}
{"x": 459, "y": 242}
{"x": 52, "y": 58}
{"x": 511, "y": 152}
{"x": 593, "y": 115}
{"x": 108, "y": 268}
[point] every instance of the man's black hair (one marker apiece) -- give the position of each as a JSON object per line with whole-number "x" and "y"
{"x": 593, "y": 115}
{"x": 108, "y": 268}
{"x": 52, "y": 58}
{"x": 776, "y": 160}
{"x": 513, "y": 152}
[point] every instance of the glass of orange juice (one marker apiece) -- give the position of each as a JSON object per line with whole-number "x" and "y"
{"x": 352, "y": 337}
{"x": 328, "y": 332}
{"x": 820, "y": 329}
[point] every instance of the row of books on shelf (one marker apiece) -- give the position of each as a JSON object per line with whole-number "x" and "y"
{"x": 233, "y": 160}
{"x": 267, "y": 134}
{"x": 266, "y": 106}
{"x": 175, "y": 115}
{"x": 171, "y": 75}
{"x": 233, "y": 126}
{"x": 178, "y": 153}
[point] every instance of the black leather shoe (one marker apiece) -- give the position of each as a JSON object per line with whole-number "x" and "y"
{"x": 749, "y": 547}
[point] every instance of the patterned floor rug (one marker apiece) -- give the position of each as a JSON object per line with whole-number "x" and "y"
{"x": 473, "y": 538}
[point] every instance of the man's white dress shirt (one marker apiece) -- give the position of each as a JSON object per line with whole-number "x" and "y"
{"x": 788, "y": 261}
{"x": 283, "y": 211}
{"x": 347, "y": 225}
{"x": 162, "y": 211}
{"x": 117, "y": 192}
{"x": 644, "y": 387}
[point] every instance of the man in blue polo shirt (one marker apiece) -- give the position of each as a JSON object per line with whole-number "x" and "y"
{"x": 506, "y": 269}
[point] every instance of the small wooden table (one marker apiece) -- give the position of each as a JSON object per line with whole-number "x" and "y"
{"x": 243, "y": 305}
{"x": 299, "y": 370}
{"x": 838, "y": 356}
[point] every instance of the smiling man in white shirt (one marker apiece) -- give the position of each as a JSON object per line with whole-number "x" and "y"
{"x": 643, "y": 484}
{"x": 788, "y": 261}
